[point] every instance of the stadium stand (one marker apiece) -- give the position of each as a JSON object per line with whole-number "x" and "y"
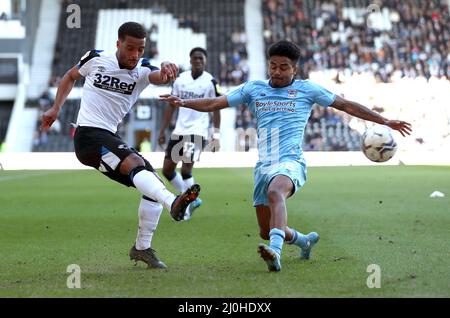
{"x": 406, "y": 38}
{"x": 342, "y": 38}
{"x": 219, "y": 20}
{"x": 221, "y": 25}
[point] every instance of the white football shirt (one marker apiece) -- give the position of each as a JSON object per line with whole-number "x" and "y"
{"x": 109, "y": 92}
{"x": 190, "y": 121}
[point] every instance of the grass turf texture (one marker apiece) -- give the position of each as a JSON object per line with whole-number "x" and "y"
{"x": 365, "y": 215}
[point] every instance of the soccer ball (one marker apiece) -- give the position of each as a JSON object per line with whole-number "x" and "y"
{"x": 378, "y": 144}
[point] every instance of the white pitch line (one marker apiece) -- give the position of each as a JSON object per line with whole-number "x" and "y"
{"x": 26, "y": 176}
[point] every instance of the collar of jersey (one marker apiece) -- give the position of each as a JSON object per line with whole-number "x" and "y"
{"x": 270, "y": 84}
{"x": 190, "y": 73}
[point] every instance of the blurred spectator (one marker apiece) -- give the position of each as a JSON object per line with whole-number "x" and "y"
{"x": 245, "y": 129}
{"x": 54, "y": 81}
{"x": 45, "y": 101}
{"x": 189, "y": 21}
{"x": 39, "y": 138}
{"x": 158, "y": 8}
{"x": 151, "y": 49}
{"x": 234, "y": 65}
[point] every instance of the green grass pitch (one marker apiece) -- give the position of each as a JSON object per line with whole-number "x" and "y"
{"x": 365, "y": 215}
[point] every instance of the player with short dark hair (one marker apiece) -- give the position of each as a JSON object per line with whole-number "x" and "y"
{"x": 132, "y": 29}
{"x": 191, "y": 130}
{"x": 198, "y": 49}
{"x": 282, "y": 106}
{"x": 113, "y": 82}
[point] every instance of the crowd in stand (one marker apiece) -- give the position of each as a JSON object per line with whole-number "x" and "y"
{"x": 416, "y": 44}
{"x": 234, "y": 64}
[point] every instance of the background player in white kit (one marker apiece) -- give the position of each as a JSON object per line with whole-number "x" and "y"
{"x": 191, "y": 129}
{"x": 113, "y": 82}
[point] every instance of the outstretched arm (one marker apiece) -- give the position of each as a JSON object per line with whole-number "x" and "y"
{"x": 167, "y": 73}
{"x": 199, "y": 104}
{"x": 64, "y": 89}
{"x": 360, "y": 111}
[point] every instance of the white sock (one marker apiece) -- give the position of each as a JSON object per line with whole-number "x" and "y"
{"x": 178, "y": 183}
{"x": 188, "y": 182}
{"x": 149, "y": 213}
{"x": 151, "y": 186}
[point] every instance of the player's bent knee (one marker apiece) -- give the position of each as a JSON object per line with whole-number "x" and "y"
{"x": 135, "y": 171}
{"x": 131, "y": 162}
{"x": 274, "y": 195}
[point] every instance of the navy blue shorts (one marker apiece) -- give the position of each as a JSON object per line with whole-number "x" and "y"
{"x": 103, "y": 150}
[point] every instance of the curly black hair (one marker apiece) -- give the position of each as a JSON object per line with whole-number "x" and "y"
{"x": 285, "y": 48}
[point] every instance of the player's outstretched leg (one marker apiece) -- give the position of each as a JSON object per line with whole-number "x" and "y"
{"x": 150, "y": 185}
{"x": 182, "y": 201}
